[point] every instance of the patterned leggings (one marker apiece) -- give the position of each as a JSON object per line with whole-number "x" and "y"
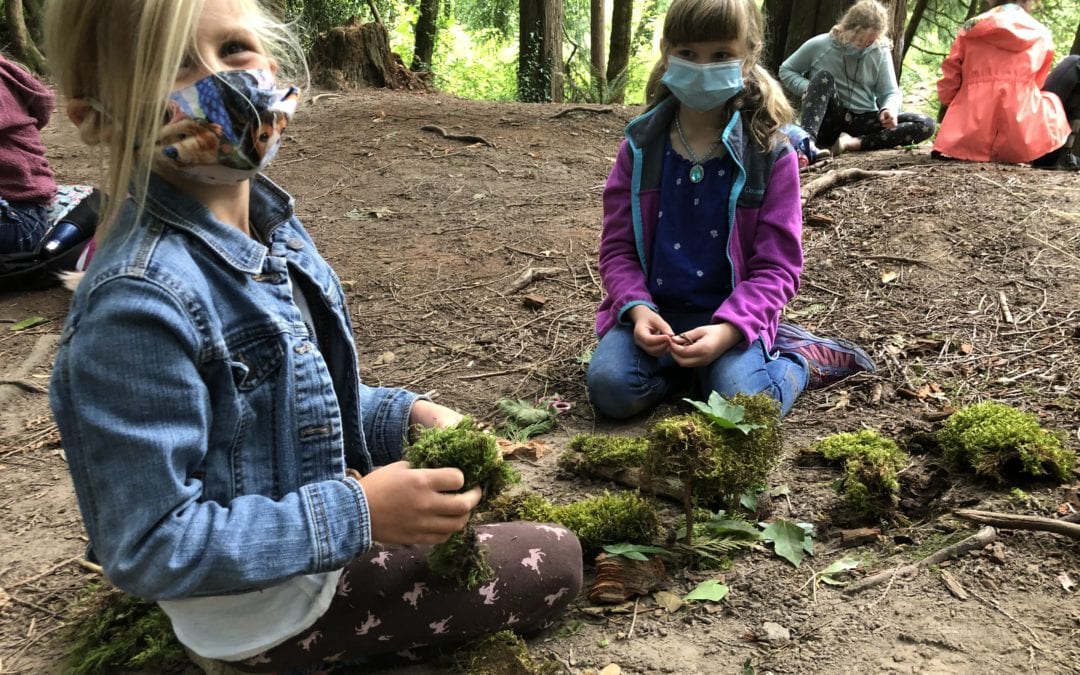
{"x": 824, "y": 117}
{"x": 387, "y": 601}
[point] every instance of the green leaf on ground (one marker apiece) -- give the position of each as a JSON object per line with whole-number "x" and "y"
{"x": 634, "y": 551}
{"x": 828, "y": 575}
{"x": 29, "y": 323}
{"x": 789, "y": 540}
{"x": 709, "y": 590}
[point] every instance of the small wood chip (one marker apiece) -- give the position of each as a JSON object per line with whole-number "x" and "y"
{"x": 534, "y": 301}
{"x": 859, "y": 536}
{"x": 997, "y": 552}
{"x": 953, "y": 585}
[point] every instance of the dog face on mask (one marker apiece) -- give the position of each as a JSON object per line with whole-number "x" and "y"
{"x": 190, "y": 142}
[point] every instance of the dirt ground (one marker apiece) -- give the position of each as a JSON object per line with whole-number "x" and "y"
{"x": 961, "y": 280}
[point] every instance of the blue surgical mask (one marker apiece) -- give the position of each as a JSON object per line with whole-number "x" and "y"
{"x": 703, "y": 86}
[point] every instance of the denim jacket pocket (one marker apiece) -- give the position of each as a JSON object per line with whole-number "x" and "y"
{"x": 253, "y": 362}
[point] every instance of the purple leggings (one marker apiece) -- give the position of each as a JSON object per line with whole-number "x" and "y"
{"x": 387, "y": 601}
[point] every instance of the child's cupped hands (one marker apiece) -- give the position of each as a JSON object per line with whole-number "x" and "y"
{"x": 651, "y": 333}
{"x": 702, "y": 345}
{"x": 417, "y": 506}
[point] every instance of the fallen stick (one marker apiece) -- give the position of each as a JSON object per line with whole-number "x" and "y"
{"x": 838, "y": 177}
{"x": 1006, "y": 313}
{"x": 533, "y": 274}
{"x": 579, "y": 108}
{"x": 975, "y": 541}
{"x": 464, "y": 138}
{"x": 1010, "y": 521}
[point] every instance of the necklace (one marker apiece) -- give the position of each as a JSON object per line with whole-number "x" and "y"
{"x": 697, "y": 171}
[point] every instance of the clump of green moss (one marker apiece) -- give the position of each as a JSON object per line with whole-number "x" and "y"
{"x": 716, "y": 463}
{"x": 604, "y": 519}
{"x": 463, "y": 446}
{"x": 1002, "y": 443}
{"x": 113, "y": 632}
{"x": 871, "y": 464}
{"x": 502, "y": 653}
{"x": 604, "y": 450}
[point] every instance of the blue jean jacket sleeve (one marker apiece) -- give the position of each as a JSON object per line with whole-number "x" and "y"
{"x": 138, "y": 433}
{"x": 386, "y": 414}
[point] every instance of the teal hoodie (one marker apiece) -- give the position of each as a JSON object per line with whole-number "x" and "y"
{"x": 865, "y": 83}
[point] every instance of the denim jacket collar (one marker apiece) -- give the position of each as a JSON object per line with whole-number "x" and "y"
{"x": 270, "y": 207}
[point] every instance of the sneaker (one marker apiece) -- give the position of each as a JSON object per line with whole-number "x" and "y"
{"x": 829, "y": 360}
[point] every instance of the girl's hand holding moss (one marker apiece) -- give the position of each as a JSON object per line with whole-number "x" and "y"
{"x": 417, "y": 506}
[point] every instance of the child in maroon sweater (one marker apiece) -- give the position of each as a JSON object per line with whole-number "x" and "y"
{"x": 26, "y": 181}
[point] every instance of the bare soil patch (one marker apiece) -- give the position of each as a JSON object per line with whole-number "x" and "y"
{"x": 429, "y": 235}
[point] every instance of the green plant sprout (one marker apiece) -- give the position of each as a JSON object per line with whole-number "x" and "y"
{"x": 1003, "y": 443}
{"x": 476, "y": 454}
{"x": 522, "y": 420}
{"x": 829, "y": 574}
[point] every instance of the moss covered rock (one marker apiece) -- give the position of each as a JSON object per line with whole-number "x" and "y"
{"x": 604, "y": 450}
{"x": 604, "y": 519}
{"x": 871, "y": 464}
{"x": 1003, "y": 443}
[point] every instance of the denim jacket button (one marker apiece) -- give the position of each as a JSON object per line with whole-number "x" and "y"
{"x": 295, "y": 244}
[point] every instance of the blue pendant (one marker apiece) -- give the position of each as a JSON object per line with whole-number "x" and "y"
{"x": 697, "y": 172}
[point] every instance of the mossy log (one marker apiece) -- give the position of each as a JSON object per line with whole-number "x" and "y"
{"x": 618, "y": 578}
{"x": 664, "y": 486}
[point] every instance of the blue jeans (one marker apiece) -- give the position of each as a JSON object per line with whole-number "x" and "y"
{"x": 624, "y": 381}
{"x": 22, "y": 225}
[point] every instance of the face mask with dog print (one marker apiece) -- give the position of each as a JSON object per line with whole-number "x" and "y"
{"x": 226, "y": 127}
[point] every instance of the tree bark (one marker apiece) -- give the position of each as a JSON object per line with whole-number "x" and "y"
{"x": 22, "y": 46}
{"x": 622, "y": 16}
{"x": 913, "y": 26}
{"x": 898, "y": 9}
{"x": 598, "y": 47}
{"x": 1076, "y": 42}
{"x": 426, "y": 32}
{"x": 540, "y": 77}
{"x": 777, "y": 17}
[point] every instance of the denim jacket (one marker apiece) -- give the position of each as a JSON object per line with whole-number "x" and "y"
{"x": 207, "y": 431}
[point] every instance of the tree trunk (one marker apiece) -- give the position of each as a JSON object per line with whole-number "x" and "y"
{"x": 426, "y": 32}
{"x": 1076, "y": 42}
{"x": 777, "y": 18}
{"x": 899, "y": 17}
{"x": 622, "y": 15}
{"x": 913, "y": 26}
{"x": 22, "y": 46}
{"x": 540, "y": 77}
{"x": 598, "y": 47}
{"x": 356, "y": 55}
{"x": 973, "y": 8}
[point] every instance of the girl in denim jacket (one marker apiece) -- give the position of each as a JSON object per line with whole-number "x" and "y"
{"x": 701, "y": 248}
{"x": 228, "y": 462}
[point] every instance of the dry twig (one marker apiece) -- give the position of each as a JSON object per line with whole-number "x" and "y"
{"x": 975, "y": 541}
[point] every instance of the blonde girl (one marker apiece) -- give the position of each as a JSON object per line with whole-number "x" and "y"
{"x": 845, "y": 80}
{"x": 228, "y": 462}
{"x": 700, "y": 249}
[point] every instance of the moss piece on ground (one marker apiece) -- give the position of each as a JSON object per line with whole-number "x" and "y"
{"x": 722, "y": 464}
{"x": 605, "y": 450}
{"x": 604, "y": 519}
{"x": 462, "y": 559}
{"x": 111, "y": 631}
{"x": 464, "y": 447}
{"x": 1003, "y": 443}
{"x": 502, "y": 653}
{"x": 871, "y": 464}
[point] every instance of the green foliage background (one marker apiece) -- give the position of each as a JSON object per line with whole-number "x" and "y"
{"x": 476, "y": 49}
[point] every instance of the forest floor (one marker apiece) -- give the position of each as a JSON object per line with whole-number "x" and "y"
{"x": 429, "y": 235}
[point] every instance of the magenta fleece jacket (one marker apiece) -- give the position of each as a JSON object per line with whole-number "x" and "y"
{"x": 765, "y": 233}
{"x": 25, "y": 107}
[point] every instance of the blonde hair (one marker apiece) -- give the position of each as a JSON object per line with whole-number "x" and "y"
{"x": 737, "y": 20}
{"x": 865, "y": 15}
{"x": 121, "y": 57}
